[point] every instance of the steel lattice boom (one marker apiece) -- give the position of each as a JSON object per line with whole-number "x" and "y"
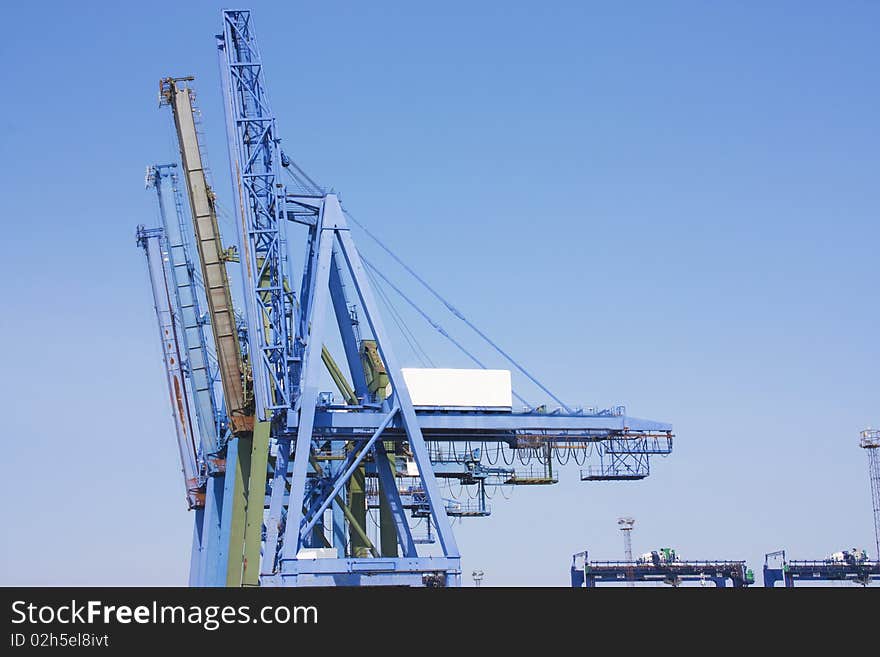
{"x": 155, "y": 246}
{"x": 260, "y": 199}
{"x": 870, "y": 441}
{"x": 303, "y": 473}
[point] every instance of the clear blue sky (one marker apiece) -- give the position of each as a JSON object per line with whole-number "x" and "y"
{"x": 667, "y": 205}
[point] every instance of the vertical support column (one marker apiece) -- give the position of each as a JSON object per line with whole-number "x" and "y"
{"x": 387, "y": 487}
{"x": 577, "y": 577}
{"x": 198, "y": 548}
{"x": 340, "y": 540}
{"x": 209, "y": 567}
{"x": 357, "y": 501}
{"x": 396, "y": 514}
{"x": 356, "y": 497}
{"x": 259, "y": 462}
{"x": 238, "y": 457}
{"x": 276, "y": 507}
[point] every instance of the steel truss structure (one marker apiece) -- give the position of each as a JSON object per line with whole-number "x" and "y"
{"x": 778, "y": 569}
{"x": 870, "y": 442}
{"x": 297, "y": 484}
{"x": 587, "y": 574}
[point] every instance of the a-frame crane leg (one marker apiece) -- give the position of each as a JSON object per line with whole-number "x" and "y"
{"x": 303, "y": 420}
{"x": 209, "y": 569}
{"x": 355, "y": 493}
{"x": 306, "y": 506}
{"x": 232, "y": 519}
{"x": 401, "y": 393}
{"x": 253, "y": 531}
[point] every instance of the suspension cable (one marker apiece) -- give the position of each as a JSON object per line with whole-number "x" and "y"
{"x": 458, "y": 314}
{"x": 397, "y": 318}
{"x": 434, "y": 324}
{"x": 287, "y": 163}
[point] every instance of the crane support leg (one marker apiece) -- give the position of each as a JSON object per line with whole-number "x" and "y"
{"x": 357, "y": 500}
{"x": 308, "y": 399}
{"x": 387, "y": 526}
{"x": 259, "y": 462}
{"x": 209, "y": 566}
{"x": 396, "y": 515}
{"x": 238, "y": 458}
{"x": 401, "y": 393}
{"x": 198, "y": 547}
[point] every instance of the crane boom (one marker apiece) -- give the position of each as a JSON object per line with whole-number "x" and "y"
{"x": 185, "y": 291}
{"x": 152, "y": 241}
{"x": 256, "y": 163}
{"x": 212, "y": 256}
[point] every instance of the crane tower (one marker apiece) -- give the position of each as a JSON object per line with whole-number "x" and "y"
{"x": 870, "y": 441}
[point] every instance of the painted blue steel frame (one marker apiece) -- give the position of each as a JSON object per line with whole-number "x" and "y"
{"x": 331, "y": 236}
{"x": 260, "y": 199}
{"x": 286, "y": 341}
{"x": 788, "y": 572}
{"x": 286, "y": 335}
{"x": 591, "y": 573}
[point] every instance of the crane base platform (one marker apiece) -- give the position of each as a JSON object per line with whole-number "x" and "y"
{"x": 391, "y": 571}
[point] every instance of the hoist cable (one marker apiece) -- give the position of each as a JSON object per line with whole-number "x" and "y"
{"x": 458, "y": 314}
{"x": 431, "y": 321}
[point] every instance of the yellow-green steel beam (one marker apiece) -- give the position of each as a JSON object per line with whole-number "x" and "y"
{"x": 338, "y": 377}
{"x": 212, "y": 257}
{"x": 237, "y": 522}
{"x": 387, "y": 526}
{"x": 354, "y": 524}
{"x": 259, "y": 462}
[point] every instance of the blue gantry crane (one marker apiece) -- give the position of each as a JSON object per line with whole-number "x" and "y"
{"x": 658, "y": 566}
{"x": 852, "y": 565}
{"x": 289, "y": 474}
{"x": 844, "y": 566}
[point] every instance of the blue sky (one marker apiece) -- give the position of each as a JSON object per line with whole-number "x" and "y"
{"x": 667, "y": 205}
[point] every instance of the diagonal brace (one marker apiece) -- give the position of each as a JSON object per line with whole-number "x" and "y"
{"x": 346, "y": 475}
{"x": 356, "y": 526}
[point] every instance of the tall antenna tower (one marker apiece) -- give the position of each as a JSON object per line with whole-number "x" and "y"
{"x": 870, "y": 441}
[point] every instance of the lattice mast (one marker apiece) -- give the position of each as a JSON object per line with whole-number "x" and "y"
{"x": 870, "y": 441}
